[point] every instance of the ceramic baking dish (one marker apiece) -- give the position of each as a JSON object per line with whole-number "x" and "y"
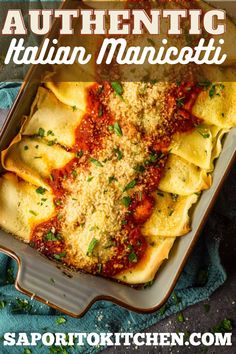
{"x": 74, "y": 292}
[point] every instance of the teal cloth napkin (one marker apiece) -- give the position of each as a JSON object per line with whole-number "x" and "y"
{"x": 202, "y": 275}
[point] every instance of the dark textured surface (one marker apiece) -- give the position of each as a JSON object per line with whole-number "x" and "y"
{"x": 223, "y": 302}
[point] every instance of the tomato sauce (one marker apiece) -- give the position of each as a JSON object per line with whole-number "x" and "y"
{"x": 90, "y": 135}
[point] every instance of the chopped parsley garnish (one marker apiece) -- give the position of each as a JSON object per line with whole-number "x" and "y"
{"x": 22, "y": 305}
{"x": 100, "y": 111}
{"x": 27, "y": 351}
{"x": 10, "y": 279}
{"x": 225, "y": 325}
{"x": 52, "y": 142}
{"x": 117, "y": 87}
{"x": 2, "y": 304}
{"x": 59, "y": 256}
{"x": 50, "y": 236}
{"x": 74, "y": 108}
{"x": 180, "y": 317}
{"x": 118, "y": 153}
{"x": 117, "y": 129}
{"x": 26, "y": 147}
{"x": 79, "y": 153}
{"x": 60, "y": 320}
{"x": 95, "y": 162}
{"x": 153, "y": 157}
{"x": 91, "y": 246}
{"x": 110, "y": 244}
{"x": 50, "y": 132}
{"x": 41, "y": 132}
{"x": 139, "y": 168}
{"x": 148, "y": 284}
{"x": 133, "y": 257}
{"x": 180, "y": 101}
{"x": 170, "y": 212}
{"x": 204, "y": 84}
{"x": 74, "y": 173}
{"x": 99, "y": 267}
{"x": 162, "y": 310}
{"x": 40, "y": 190}
{"x": 90, "y": 178}
{"x": 203, "y": 134}
{"x": 175, "y": 298}
{"x": 126, "y": 201}
{"x": 130, "y": 185}
{"x": 215, "y": 90}
{"x": 33, "y": 212}
{"x": 112, "y": 179}
{"x": 58, "y": 202}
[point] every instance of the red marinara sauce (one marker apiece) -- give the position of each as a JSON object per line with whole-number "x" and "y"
{"x": 90, "y": 135}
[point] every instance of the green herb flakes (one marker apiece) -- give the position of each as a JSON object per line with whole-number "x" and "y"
{"x": 162, "y": 310}
{"x": 41, "y": 133}
{"x": 22, "y": 305}
{"x": 61, "y": 320}
{"x": 133, "y": 257}
{"x": 216, "y": 90}
{"x": 90, "y": 178}
{"x": 33, "y": 212}
{"x": 180, "y": 317}
{"x": 118, "y": 153}
{"x": 2, "y": 304}
{"x": 100, "y": 111}
{"x": 10, "y": 279}
{"x": 118, "y": 88}
{"x": 91, "y": 246}
{"x": 126, "y": 201}
{"x": 117, "y": 129}
{"x": 112, "y": 179}
{"x": 225, "y": 325}
{"x": 99, "y": 268}
{"x": 130, "y": 185}
{"x": 79, "y": 154}
{"x": 27, "y": 351}
{"x": 95, "y": 162}
{"x": 40, "y": 190}
{"x": 180, "y": 102}
{"x": 59, "y": 256}
{"x": 50, "y": 236}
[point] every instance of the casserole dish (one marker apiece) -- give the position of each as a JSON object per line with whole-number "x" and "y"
{"x": 40, "y": 278}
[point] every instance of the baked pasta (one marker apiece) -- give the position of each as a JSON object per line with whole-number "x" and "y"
{"x": 101, "y": 176}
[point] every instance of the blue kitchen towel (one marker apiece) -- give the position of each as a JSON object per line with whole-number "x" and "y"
{"x": 202, "y": 275}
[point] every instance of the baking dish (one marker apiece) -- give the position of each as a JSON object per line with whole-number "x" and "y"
{"x": 73, "y": 293}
